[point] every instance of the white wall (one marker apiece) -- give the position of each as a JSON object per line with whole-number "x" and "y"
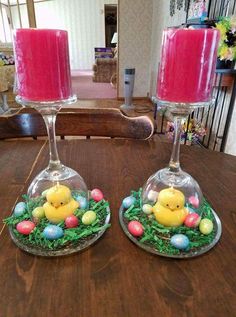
{"x": 83, "y": 19}
{"x": 141, "y": 23}
{"x": 160, "y": 20}
{"x": 135, "y": 23}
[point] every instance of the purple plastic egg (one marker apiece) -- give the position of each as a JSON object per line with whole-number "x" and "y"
{"x": 192, "y": 220}
{"x": 71, "y": 221}
{"x": 135, "y": 228}
{"x": 25, "y": 227}
{"x": 97, "y": 194}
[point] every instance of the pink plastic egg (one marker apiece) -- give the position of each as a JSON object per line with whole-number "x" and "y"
{"x": 71, "y": 221}
{"x": 194, "y": 201}
{"x": 25, "y": 227}
{"x": 135, "y": 228}
{"x": 192, "y": 220}
{"x": 97, "y": 194}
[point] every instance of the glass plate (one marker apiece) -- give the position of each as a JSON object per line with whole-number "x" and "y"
{"x": 182, "y": 255}
{"x": 81, "y": 245}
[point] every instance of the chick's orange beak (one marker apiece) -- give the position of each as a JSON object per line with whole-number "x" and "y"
{"x": 55, "y": 205}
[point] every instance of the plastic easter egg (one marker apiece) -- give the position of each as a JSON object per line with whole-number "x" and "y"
{"x": 192, "y": 220}
{"x": 38, "y": 212}
{"x": 25, "y": 227}
{"x": 71, "y": 221}
{"x": 19, "y": 209}
{"x": 206, "y": 226}
{"x": 97, "y": 194}
{"x": 53, "y": 232}
{"x": 89, "y": 217}
{"x": 128, "y": 201}
{"x": 135, "y": 228}
{"x": 152, "y": 195}
{"x": 194, "y": 201}
{"x": 147, "y": 209}
{"x": 82, "y": 202}
{"x": 179, "y": 241}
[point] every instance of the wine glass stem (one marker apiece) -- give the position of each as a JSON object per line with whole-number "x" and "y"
{"x": 50, "y": 120}
{"x": 174, "y": 164}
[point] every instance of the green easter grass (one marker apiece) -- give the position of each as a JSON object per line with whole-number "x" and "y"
{"x": 72, "y": 236}
{"x": 157, "y": 236}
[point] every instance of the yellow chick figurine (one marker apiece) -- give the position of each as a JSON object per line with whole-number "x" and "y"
{"x": 60, "y": 204}
{"x": 169, "y": 209}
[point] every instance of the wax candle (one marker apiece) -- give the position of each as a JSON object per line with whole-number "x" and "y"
{"x": 42, "y": 64}
{"x": 188, "y": 61}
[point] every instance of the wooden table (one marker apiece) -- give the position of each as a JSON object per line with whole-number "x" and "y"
{"x": 114, "y": 277}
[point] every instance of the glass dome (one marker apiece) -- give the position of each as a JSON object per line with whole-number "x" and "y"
{"x": 50, "y": 177}
{"x": 172, "y": 196}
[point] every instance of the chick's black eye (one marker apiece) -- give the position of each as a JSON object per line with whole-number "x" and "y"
{"x": 167, "y": 205}
{"x": 177, "y": 206}
{"x": 61, "y": 203}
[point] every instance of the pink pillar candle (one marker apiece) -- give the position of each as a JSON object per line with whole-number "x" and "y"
{"x": 187, "y": 67}
{"x": 42, "y": 64}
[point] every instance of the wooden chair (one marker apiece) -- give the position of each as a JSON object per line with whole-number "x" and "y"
{"x": 78, "y": 122}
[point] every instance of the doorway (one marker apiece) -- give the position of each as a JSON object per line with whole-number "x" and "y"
{"x": 110, "y": 23}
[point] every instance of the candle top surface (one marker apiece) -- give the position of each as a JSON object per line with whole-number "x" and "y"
{"x": 38, "y": 30}
{"x": 190, "y": 29}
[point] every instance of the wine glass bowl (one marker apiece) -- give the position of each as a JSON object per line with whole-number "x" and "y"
{"x": 63, "y": 175}
{"x": 165, "y": 179}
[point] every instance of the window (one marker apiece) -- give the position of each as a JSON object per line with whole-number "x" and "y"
{"x": 5, "y": 29}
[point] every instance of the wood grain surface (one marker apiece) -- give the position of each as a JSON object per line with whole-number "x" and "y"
{"x": 114, "y": 277}
{"x": 107, "y": 122}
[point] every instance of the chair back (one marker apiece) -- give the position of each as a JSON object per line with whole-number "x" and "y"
{"x": 101, "y": 122}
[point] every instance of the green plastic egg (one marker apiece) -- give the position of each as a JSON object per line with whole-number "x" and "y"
{"x": 89, "y": 217}
{"x": 206, "y": 226}
{"x": 38, "y": 212}
{"x": 147, "y": 209}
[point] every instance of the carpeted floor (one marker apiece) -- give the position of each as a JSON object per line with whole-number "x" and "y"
{"x": 85, "y": 88}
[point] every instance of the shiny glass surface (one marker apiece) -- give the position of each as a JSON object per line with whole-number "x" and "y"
{"x": 182, "y": 255}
